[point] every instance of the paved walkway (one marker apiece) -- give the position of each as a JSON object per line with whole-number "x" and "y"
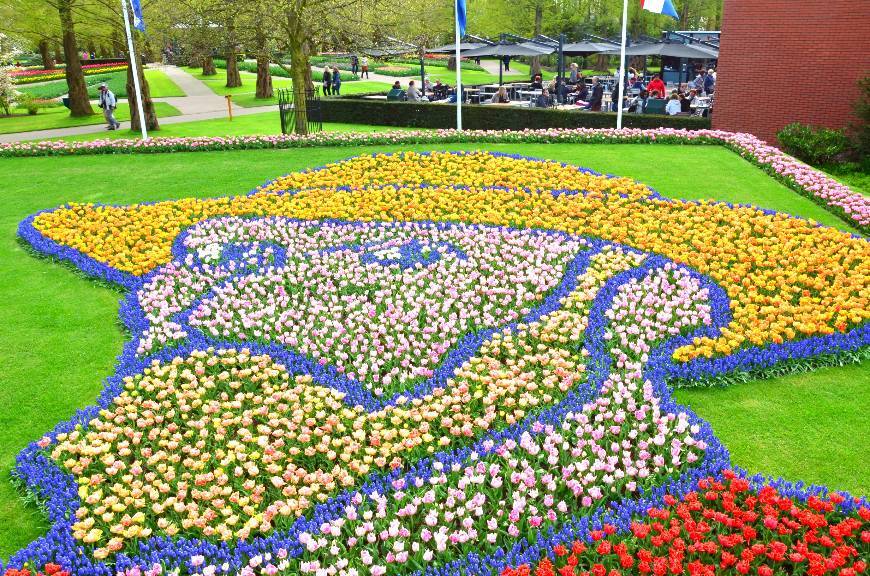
{"x": 199, "y": 104}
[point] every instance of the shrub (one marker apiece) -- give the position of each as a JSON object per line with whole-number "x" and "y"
{"x": 814, "y": 145}
{"x": 423, "y": 115}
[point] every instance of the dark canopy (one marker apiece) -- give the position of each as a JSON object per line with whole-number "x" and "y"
{"x": 586, "y": 48}
{"x": 450, "y": 48}
{"x": 508, "y": 49}
{"x": 673, "y": 50}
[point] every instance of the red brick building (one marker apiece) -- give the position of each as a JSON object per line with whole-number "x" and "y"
{"x": 784, "y": 61}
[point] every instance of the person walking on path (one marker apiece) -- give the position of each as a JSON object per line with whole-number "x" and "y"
{"x": 108, "y": 102}
{"x": 354, "y": 64}
{"x": 365, "y": 67}
{"x": 327, "y": 81}
{"x": 336, "y": 81}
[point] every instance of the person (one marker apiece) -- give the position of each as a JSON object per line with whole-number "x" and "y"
{"x": 637, "y": 84}
{"x": 414, "y": 95}
{"x": 507, "y": 63}
{"x": 439, "y": 90}
{"x": 108, "y": 103}
{"x": 365, "y": 67}
{"x": 544, "y": 100}
{"x": 537, "y": 83}
{"x": 336, "y": 81}
{"x": 427, "y": 85}
{"x": 574, "y": 76}
{"x": 396, "y": 92}
{"x": 673, "y": 106}
{"x": 580, "y": 94}
{"x": 638, "y": 103}
{"x": 597, "y": 96}
{"x": 500, "y": 97}
{"x": 354, "y": 64}
{"x": 327, "y": 81}
{"x": 686, "y": 102}
{"x": 698, "y": 83}
{"x": 709, "y": 83}
{"x": 656, "y": 86}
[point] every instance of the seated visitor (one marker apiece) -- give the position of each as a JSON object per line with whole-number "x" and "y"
{"x": 638, "y": 103}
{"x": 396, "y": 92}
{"x": 537, "y": 83}
{"x": 657, "y": 86}
{"x": 500, "y": 97}
{"x": 544, "y": 100}
{"x": 686, "y": 101}
{"x": 439, "y": 90}
{"x": 673, "y": 107}
{"x": 414, "y": 95}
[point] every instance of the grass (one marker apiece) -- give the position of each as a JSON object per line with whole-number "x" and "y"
{"x": 264, "y": 123}
{"x": 59, "y": 333}
{"x": 161, "y": 85}
{"x": 814, "y": 425}
{"x": 58, "y": 117}
{"x": 244, "y": 95}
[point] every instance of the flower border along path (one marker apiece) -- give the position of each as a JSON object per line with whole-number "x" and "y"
{"x": 814, "y": 184}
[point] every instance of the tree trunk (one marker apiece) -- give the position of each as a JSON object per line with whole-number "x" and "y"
{"x": 147, "y": 104}
{"x": 234, "y": 79}
{"x": 208, "y": 68}
{"x": 117, "y": 45}
{"x": 79, "y": 103}
{"x": 264, "y": 76}
{"x": 602, "y": 63}
{"x": 306, "y": 53}
{"x": 451, "y": 63}
{"x": 298, "y": 66}
{"x": 45, "y": 54}
{"x": 92, "y": 49}
{"x": 539, "y": 17}
{"x": 58, "y": 56}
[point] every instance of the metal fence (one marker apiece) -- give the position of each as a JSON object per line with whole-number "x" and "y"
{"x": 287, "y": 97}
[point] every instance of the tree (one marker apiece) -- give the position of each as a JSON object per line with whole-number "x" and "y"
{"x": 148, "y": 110}
{"x": 79, "y": 102}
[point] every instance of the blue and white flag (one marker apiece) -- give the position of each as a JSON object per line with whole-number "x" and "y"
{"x": 460, "y": 17}
{"x": 665, "y": 7}
{"x": 138, "y": 22}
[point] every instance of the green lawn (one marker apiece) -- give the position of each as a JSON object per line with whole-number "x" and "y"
{"x": 59, "y": 333}
{"x": 161, "y": 85}
{"x": 262, "y": 123}
{"x": 58, "y": 117}
{"x": 244, "y": 95}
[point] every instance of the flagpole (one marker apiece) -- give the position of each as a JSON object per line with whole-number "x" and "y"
{"x": 622, "y": 65}
{"x": 134, "y": 70}
{"x": 459, "y": 92}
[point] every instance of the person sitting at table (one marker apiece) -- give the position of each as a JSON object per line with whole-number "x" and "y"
{"x": 597, "y": 96}
{"x": 537, "y": 83}
{"x": 427, "y": 85}
{"x": 396, "y": 93}
{"x": 686, "y": 102}
{"x": 500, "y": 97}
{"x": 638, "y": 103}
{"x": 656, "y": 85}
{"x": 580, "y": 94}
{"x": 439, "y": 90}
{"x": 544, "y": 100}
{"x": 637, "y": 84}
{"x": 673, "y": 106}
{"x": 414, "y": 95}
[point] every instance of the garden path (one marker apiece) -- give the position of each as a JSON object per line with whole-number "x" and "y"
{"x": 199, "y": 104}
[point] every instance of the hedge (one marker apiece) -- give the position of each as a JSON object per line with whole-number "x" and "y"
{"x": 483, "y": 117}
{"x": 275, "y": 70}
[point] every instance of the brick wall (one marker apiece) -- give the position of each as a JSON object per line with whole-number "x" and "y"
{"x": 784, "y": 61}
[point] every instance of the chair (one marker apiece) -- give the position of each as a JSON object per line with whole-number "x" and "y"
{"x": 655, "y": 106}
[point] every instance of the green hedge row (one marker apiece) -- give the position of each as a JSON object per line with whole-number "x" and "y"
{"x": 482, "y": 117}
{"x": 316, "y": 75}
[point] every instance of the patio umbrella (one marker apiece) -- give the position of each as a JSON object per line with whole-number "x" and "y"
{"x": 673, "y": 50}
{"x": 449, "y": 48}
{"x": 585, "y": 48}
{"x": 502, "y": 49}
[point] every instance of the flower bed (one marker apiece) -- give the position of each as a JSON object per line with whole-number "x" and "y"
{"x": 30, "y": 75}
{"x": 812, "y": 183}
{"x": 441, "y": 363}
{"x": 725, "y": 525}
